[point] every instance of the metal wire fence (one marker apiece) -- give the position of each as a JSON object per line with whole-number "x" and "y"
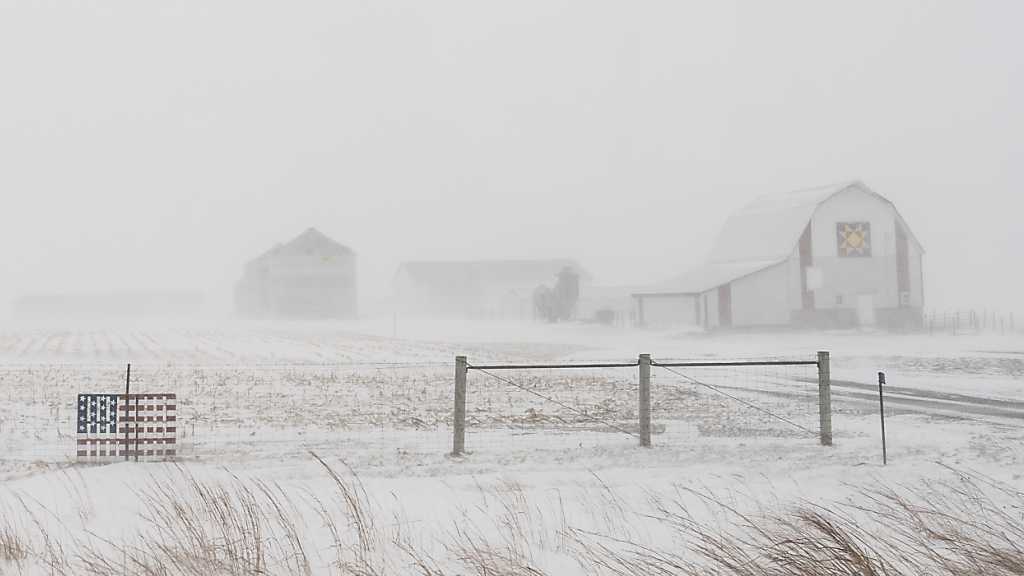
{"x": 532, "y": 410}
{"x": 738, "y": 401}
{"x": 401, "y": 415}
{"x": 576, "y": 406}
{"x": 378, "y": 411}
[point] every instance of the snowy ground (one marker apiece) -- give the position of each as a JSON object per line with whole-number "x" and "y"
{"x": 376, "y": 397}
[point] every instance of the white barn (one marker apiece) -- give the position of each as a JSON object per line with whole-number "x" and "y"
{"x": 831, "y": 257}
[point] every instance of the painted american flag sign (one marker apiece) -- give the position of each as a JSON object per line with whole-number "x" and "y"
{"x": 113, "y": 426}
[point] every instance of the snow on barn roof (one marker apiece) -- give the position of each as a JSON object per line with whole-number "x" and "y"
{"x": 767, "y": 229}
{"x": 312, "y": 241}
{"x": 501, "y": 272}
{"x": 760, "y": 235}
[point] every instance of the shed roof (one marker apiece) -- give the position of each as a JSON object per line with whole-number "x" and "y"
{"x": 707, "y": 276}
{"x": 500, "y": 272}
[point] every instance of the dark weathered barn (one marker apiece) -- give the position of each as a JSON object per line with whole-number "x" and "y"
{"x": 311, "y": 276}
{"x": 835, "y": 256}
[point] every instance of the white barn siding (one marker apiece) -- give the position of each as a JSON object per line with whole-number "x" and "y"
{"x": 844, "y": 279}
{"x": 762, "y": 298}
{"x": 916, "y": 276}
{"x": 794, "y": 283}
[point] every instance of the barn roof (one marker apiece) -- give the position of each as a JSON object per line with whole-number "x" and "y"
{"x": 312, "y": 241}
{"x": 760, "y": 235}
{"x": 767, "y": 229}
{"x": 501, "y": 272}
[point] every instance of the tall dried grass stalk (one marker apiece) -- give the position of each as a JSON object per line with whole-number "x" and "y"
{"x": 970, "y": 525}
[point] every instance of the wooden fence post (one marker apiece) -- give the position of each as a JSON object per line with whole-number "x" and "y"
{"x": 459, "y": 419}
{"x": 825, "y": 398}
{"x": 645, "y": 400}
{"x": 127, "y": 395}
{"x": 881, "y": 412}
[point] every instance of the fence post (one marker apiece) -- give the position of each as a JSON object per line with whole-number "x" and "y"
{"x": 127, "y": 395}
{"x": 881, "y": 411}
{"x": 459, "y": 420}
{"x": 137, "y": 427}
{"x": 825, "y": 398}
{"x": 645, "y": 400}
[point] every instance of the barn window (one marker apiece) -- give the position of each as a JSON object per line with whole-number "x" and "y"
{"x": 854, "y": 239}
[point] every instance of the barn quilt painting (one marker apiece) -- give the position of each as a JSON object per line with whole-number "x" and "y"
{"x": 854, "y": 239}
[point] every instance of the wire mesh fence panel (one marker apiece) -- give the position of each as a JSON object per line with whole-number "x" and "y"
{"x": 372, "y": 414}
{"x": 39, "y": 411}
{"x": 551, "y": 409}
{"x": 740, "y": 401}
{"x": 277, "y": 412}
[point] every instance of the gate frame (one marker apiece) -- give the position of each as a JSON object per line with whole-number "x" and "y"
{"x": 644, "y": 364}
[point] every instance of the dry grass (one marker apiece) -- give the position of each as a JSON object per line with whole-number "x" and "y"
{"x": 13, "y": 548}
{"x": 28, "y": 543}
{"x": 972, "y": 526}
{"x": 969, "y": 525}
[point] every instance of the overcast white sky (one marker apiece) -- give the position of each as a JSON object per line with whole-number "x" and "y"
{"x": 159, "y": 144}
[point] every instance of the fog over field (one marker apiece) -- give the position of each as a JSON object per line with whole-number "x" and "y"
{"x": 158, "y": 146}
{"x": 544, "y": 288}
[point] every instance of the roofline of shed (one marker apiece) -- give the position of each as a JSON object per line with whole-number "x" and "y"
{"x": 749, "y": 274}
{"x": 767, "y": 266}
{"x": 662, "y": 294}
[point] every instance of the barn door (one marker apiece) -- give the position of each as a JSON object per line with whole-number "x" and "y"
{"x": 866, "y": 309}
{"x": 725, "y": 305}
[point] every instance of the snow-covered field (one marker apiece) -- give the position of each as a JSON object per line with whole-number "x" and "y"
{"x": 555, "y": 449}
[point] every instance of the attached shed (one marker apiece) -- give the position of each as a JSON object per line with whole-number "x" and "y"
{"x": 665, "y": 309}
{"x": 311, "y": 276}
{"x": 835, "y": 256}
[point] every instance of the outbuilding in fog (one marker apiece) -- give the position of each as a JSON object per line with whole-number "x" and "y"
{"x": 311, "y": 276}
{"x": 488, "y": 289}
